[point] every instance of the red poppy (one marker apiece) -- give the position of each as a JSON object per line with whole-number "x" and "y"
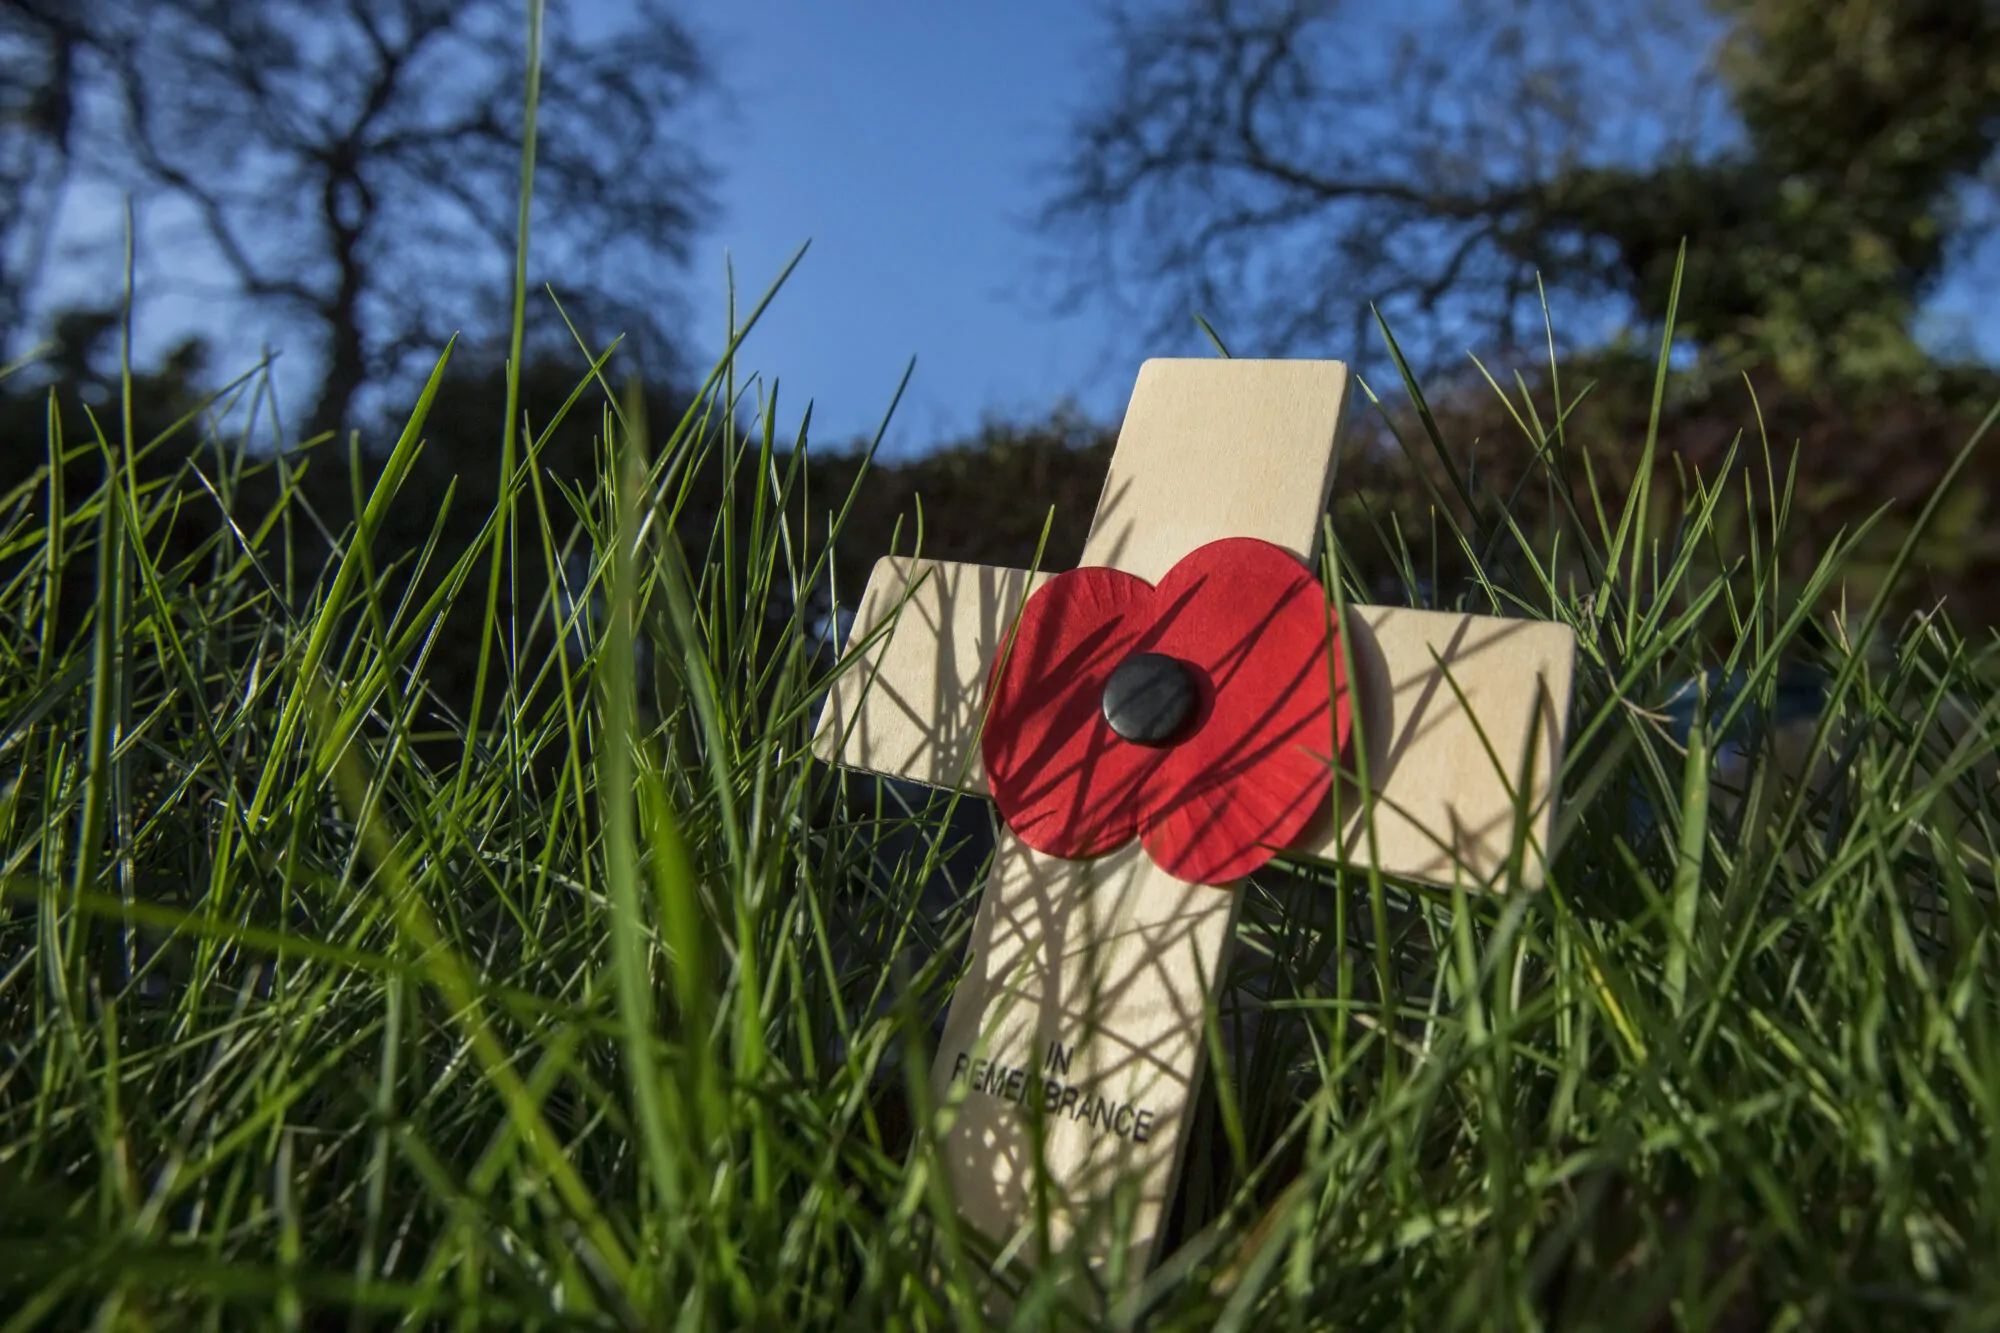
{"x": 1244, "y": 773}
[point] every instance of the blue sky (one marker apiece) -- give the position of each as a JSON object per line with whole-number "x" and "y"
{"x": 903, "y": 139}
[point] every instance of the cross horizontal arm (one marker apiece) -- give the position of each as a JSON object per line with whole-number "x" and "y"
{"x": 1448, "y": 705}
{"x": 911, "y": 708}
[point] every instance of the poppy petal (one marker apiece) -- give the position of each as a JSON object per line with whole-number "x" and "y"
{"x": 1062, "y": 779}
{"x": 1251, "y": 622}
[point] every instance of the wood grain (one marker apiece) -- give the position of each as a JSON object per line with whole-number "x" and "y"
{"x": 1214, "y": 449}
{"x": 1449, "y": 707}
{"x": 911, "y": 706}
{"x": 1087, "y": 977}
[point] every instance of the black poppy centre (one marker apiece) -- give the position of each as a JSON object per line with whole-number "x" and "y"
{"x": 1150, "y": 698}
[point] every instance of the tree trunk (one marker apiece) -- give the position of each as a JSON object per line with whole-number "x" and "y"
{"x": 347, "y": 354}
{"x": 346, "y": 372}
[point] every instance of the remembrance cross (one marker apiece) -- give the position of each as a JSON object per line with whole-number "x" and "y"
{"x": 1152, "y": 726}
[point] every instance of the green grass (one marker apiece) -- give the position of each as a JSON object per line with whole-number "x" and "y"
{"x": 613, "y": 1011}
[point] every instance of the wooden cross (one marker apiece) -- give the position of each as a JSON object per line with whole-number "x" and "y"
{"x": 1077, "y": 1033}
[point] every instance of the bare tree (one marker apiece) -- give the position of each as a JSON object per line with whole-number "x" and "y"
{"x": 42, "y": 43}
{"x": 356, "y": 163}
{"x": 1278, "y": 166}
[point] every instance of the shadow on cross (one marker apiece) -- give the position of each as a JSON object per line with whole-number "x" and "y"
{"x": 910, "y": 712}
{"x": 1070, "y": 1041}
{"x": 1077, "y": 1035}
{"x": 1449, "y": 706}
{"x": 1233, "y": 639}
{"x": 912, "y": 708}
{"x": 1080, "y": 1014}
{"x": 1452, "y": 709}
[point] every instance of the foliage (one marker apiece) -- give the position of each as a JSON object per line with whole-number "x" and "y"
{"x": 1862, "y": 123}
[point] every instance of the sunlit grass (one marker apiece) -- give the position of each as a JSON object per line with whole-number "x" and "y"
{"x": 614, "y": 1021}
